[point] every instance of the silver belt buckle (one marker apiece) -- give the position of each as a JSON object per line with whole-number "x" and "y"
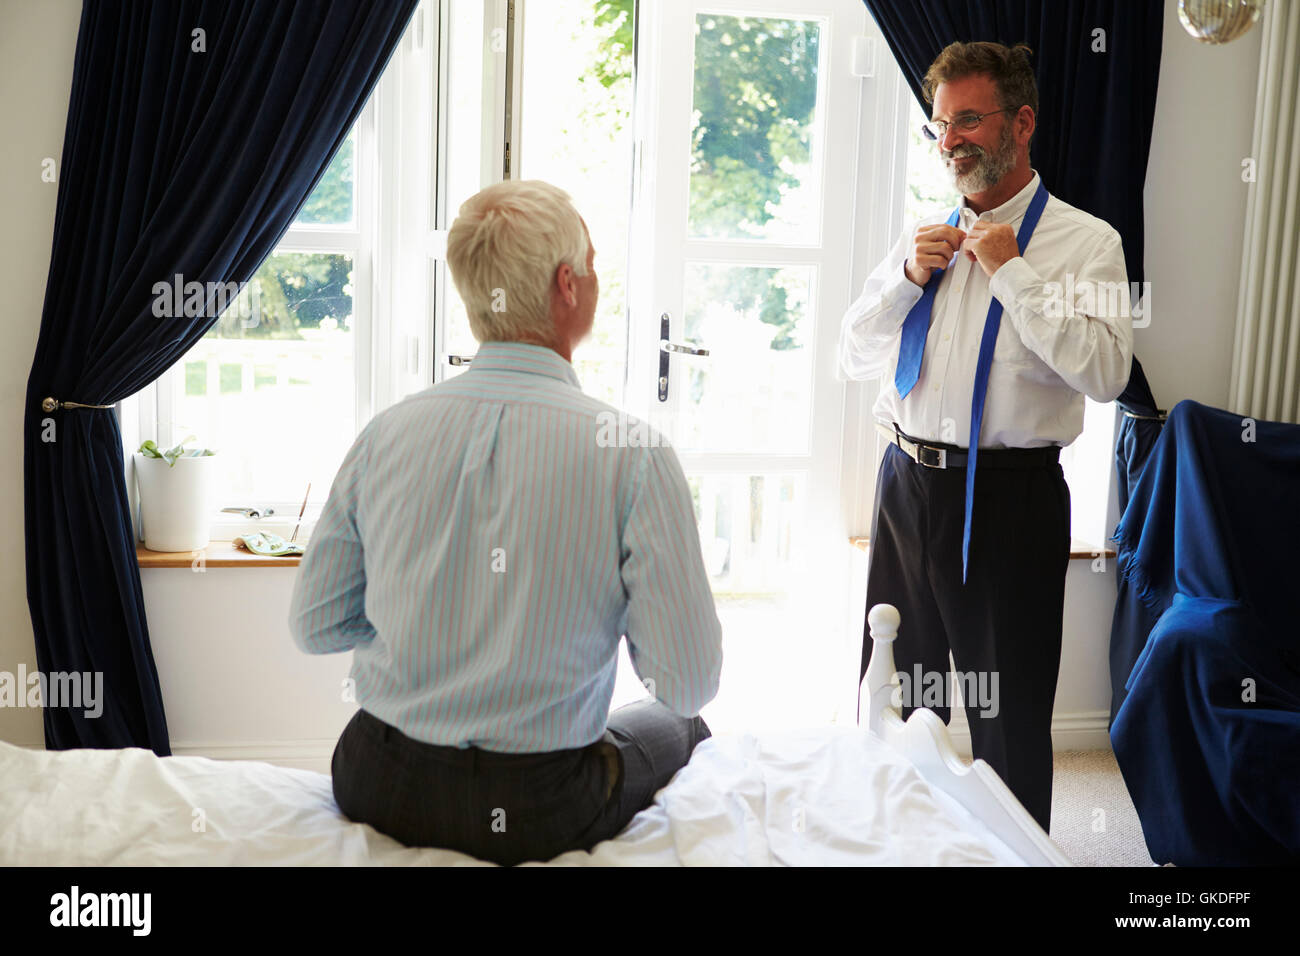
{"x": 932, "y": 457}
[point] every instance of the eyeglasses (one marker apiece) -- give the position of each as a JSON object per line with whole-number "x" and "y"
{"x": 935, "y": 130}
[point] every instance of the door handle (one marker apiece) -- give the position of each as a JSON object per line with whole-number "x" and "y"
{"x": 667, "y": 349}
{"x": 459, "y": 359}
{"x": 666, "y": 346}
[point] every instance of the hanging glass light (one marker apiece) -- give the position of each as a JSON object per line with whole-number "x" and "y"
{"x": 1218, "y": 21}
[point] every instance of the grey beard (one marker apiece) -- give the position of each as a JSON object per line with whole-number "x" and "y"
{"x": 989, "y": 169}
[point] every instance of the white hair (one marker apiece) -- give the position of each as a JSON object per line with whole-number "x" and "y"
{"x": 503, "y": 250}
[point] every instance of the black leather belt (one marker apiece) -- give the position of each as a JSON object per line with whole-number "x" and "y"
{"x": 937, "y": 455}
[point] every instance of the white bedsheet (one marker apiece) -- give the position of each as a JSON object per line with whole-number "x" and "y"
{"x": 828, "y": 796}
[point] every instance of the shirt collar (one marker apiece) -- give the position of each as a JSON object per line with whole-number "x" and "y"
{"x": 524, "y": 358}
{"x": 1011, "y": 210}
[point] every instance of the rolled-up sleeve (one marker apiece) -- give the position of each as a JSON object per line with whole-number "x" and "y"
{"x": 327, "y": 613}
{"x": 1079, "y": 324}
{"x": 673, "y": 633}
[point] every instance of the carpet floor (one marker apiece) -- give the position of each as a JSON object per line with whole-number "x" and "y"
{"x": 1093, "y": 819}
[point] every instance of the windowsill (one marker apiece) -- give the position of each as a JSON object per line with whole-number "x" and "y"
{"x": 218, "y": 554}
{"x": 1079, "y": 550}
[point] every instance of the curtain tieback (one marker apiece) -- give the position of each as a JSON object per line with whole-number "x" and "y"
{"x": 53, "y": 405}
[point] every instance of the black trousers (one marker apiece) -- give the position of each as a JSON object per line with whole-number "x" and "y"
{"x": 1003, "y": 626}
{"x": 508, "y": 807}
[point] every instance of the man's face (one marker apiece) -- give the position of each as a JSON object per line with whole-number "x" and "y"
{"x": 979, "y": 159}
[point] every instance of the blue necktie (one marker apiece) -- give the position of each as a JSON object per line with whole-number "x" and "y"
{"x": 917, "y": 326}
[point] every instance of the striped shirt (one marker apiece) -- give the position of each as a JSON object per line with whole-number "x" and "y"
{"x": 486, "y": 544}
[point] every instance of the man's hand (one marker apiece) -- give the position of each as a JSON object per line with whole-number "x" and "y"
{"x": 991, "y": 244}
{"x": 933, "y": 248}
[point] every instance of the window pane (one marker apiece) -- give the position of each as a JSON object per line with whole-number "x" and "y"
{"x": 749, "y": 532}
{"x": 753, "y": 392}
{"x": 333, "y": 201}
{"x": 196, "y": 379}
{"x": 753, "y": 174}
{"x": 272, "y": 385}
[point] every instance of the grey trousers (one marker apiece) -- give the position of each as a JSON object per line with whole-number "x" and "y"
{"x": 510, "y": 807}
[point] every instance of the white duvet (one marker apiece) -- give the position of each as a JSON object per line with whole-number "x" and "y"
{"x": 830, "y": 796}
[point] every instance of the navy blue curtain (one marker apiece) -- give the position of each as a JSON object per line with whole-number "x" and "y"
{"x": 196, "y": 130}
{"x": 1095, "y": 109}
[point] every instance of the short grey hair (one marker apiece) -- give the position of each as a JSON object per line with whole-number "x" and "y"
{"x": 503, "y": 250}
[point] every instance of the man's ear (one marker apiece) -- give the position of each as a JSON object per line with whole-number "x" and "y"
{"x": 565, "y": 285}
{"x": 1026, "y": 120}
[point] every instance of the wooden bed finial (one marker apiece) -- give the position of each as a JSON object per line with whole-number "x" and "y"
{"x": 884, "y": 620}
{"x": 877, "y": 686}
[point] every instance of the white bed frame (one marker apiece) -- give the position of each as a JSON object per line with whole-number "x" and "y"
{"x": 925, "y": 742}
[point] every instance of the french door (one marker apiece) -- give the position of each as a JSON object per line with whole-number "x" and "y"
{"x": 745, "y": 152}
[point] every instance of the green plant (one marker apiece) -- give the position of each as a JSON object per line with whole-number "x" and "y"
{"x": 150, "y": 450}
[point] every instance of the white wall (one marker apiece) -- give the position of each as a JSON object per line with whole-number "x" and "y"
{"x": 37, "y": 42}
{"x": 234, "y": 684}
{"x": 1196, "y": 212}
{"x": 232, "y": 681}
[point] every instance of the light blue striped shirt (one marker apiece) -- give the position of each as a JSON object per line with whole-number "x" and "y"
{"x": 485, "y": 545}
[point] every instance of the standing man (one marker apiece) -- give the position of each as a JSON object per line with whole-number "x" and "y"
{"x": 984, "y": 372}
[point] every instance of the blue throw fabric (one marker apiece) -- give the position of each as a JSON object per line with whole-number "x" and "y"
{"x": 1133, "y": 620}
{"x": 1208, "y": 738}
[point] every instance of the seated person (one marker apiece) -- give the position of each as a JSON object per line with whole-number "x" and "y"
{"x": 484, "y": 548}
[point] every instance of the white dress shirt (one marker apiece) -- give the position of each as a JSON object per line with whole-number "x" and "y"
{"x": 1045, "y": 359}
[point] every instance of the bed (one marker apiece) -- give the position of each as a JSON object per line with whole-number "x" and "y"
{"x": 896, "y": 795}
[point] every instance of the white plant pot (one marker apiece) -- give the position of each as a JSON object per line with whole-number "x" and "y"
{"x": 176, "y": 502}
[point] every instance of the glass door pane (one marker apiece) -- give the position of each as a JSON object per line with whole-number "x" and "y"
{"x": 754, "y": 392}
{"x": 754, "y": 151}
